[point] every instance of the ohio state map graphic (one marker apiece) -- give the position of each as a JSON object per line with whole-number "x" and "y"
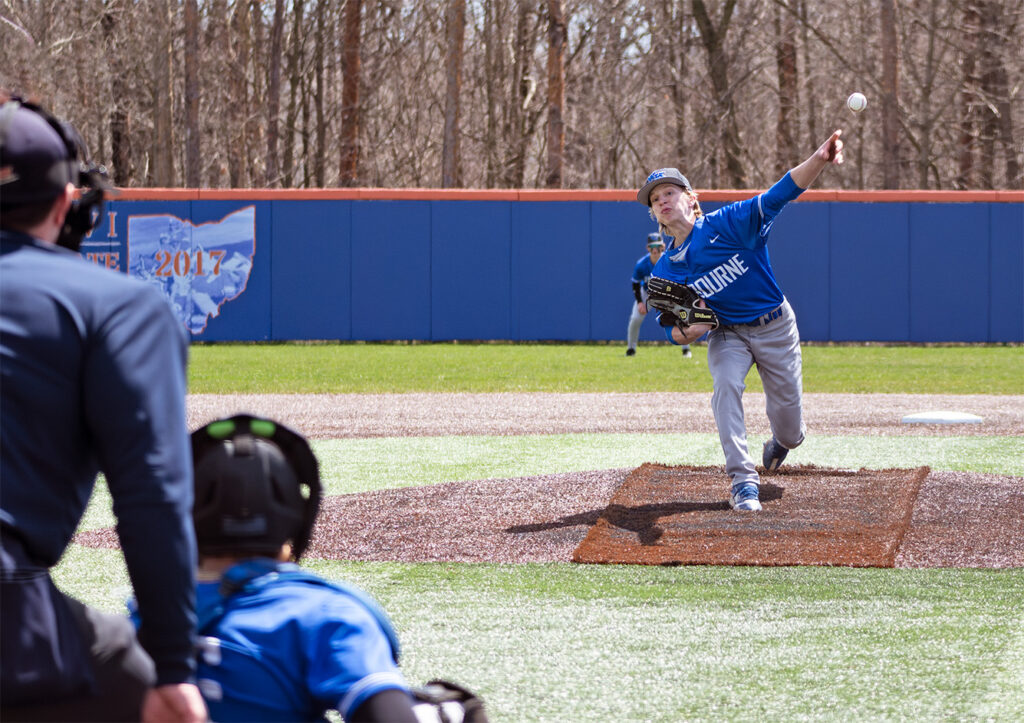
{"x": 199, "y": 268}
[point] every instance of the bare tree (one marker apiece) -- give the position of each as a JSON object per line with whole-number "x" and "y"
{"x": 997, "y": 111}
{"x": 712, "y": 37}
{"x": 162, "y": 147}
{"x": 518, "y": 119}
{"x": 455, "y": 22}
{"x": 350, "y": 70}
{"x": 237, "y": 109}
{"x": 193, "y": 168}
{"x": 890, "y": 94}
{"x": 298, "y": 92}
{"x": 248, "y": 92}
{"x": 121, "y": 161}
{"x": 556, "y": 93}
{"x": 272, "y": 172}
{"x": 785, "y": 61}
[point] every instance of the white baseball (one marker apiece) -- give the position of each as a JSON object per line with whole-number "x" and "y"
{"x": 857, "y": 102}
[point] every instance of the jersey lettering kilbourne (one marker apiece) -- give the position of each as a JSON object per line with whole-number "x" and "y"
{"x": 725, "y": 257}
{"x": 288, "y": 648}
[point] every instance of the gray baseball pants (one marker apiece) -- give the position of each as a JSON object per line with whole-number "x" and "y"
{"x": 636, "y": 320}
{"x": 774, "y": 346}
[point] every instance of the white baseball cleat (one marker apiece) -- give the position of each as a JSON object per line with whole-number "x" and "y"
{"x": 745, "y": 498}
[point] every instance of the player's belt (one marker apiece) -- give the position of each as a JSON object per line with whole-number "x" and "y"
{"x": 765, "y": 318}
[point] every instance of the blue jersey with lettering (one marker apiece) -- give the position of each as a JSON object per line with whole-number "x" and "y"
{"x": 287, "y": 645}
{"x": 725, "y": 256}
{"x": 642, "y": 270}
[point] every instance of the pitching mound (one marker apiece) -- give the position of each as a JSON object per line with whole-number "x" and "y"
{"x": 960, "y": 519}
{"x": 664, "y": 515}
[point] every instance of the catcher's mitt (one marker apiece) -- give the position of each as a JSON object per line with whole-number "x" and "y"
{"x": 677, "y": 302}
{"x": 441, "y": 701}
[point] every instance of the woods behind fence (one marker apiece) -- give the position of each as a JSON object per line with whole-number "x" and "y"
{"x": 517, "y": 94}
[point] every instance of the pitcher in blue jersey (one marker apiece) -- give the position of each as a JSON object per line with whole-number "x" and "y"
{"x": 723, "y": 256}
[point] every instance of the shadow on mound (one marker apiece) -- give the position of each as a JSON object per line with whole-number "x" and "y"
{"x": 812, "y": 516}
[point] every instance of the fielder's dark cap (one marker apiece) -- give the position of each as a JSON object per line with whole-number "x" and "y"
{"x": 655, "y": 239}
{"x": 35, "y": 161}
{"x": 662, "y": 175}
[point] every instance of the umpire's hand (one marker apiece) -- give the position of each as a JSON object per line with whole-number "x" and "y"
{"x": 182, "y": 702}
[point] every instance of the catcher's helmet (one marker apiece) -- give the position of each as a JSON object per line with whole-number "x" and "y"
{"x": 257, "y": 486}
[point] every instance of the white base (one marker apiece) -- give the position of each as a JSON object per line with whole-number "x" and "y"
{"x": 942, "y": 418}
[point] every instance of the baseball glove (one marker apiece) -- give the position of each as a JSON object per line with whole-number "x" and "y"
{"x": 677, "y": 302}
{"x": 442, "y": 701}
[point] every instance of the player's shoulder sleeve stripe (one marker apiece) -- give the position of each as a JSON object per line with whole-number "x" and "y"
{"x": 369, "y": 686}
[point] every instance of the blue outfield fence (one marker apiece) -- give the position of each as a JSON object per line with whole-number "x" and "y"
{"x": 524, "y": 266}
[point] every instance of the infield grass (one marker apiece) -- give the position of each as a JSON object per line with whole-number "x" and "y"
{"x": 562, "y": 642}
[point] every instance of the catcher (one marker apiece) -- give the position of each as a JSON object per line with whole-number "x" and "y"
{"x": 275, "y": 641}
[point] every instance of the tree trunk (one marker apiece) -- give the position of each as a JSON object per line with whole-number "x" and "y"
{"x": 557, "y": 35}
{"x": 493, "y": 73}
{"x": 272, "y": 177}
{"x": 350, "y": 69}
{"x": 890, "y": 95}
{"x": 523, "y": 87}
{"x": 320, "y": 119}
{"x": 238, "y": 97}
{"x": 455, "y": 22}
{"x": 785, "y": 63}
{"x": 162, "y": 169}
{"x": 810, "y": 96}
{"x": 296, "y": 89}
{"x": 970, "y": 25}
{"x": 193, "y": 155}
{"x": 998, "y": 113}
{"x": 122, "y": 166}
{"x": 673, "y": 43}
{"x": 713, "y": 39}
{"x": 257, "y": 162}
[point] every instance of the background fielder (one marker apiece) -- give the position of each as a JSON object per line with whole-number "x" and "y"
{"x": 641, "y": 273}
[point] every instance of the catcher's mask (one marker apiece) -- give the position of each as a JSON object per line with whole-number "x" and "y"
{"x": 257, "y": 486}
{"x": 37, "y": 168}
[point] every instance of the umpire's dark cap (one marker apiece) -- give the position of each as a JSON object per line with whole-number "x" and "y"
{"x": 662, "y": 175}
{"x": 35, "y": 162}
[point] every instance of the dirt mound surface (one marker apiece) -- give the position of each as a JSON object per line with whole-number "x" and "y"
{"x": 665, "y": 515}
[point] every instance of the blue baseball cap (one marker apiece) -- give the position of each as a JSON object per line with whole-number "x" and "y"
{"x": 35, "y": 162}
{"x": 662, "y": 175}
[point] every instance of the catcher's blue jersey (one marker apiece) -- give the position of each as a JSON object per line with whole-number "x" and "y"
{"x": 642, "y": 270}
{"x": 289, "y": 646}
{"x": 725, "y": 257}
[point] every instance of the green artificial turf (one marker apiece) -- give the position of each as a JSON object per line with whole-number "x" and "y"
{"x": 563, "y": 642}
{"x": 399, "y": 368}
{"x": 558, "y": 642}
